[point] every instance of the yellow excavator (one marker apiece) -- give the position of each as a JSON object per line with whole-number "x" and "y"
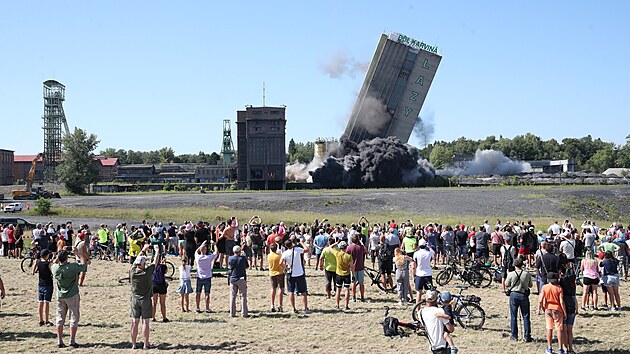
{"x": 33, "y": 193}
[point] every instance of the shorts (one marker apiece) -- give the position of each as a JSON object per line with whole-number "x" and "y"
{"x": 221, "y": 246}
{"x": 229, "y": 247}
{"x": 570, "y": 320}
{"x": 44, "y": 293}
{"x": 330, "y": 279}
{"x": 523, "y": 250}
{"x": 425, "y": 282}
{"x": 257, "y": 252}
{"x": 358, "y": 276}
{"x": 248, "y": 251}
{"x": 373, "y": 255}
{"x": 611, "y": 280}
{"x": 297, "y": 284}
{"x": 141, "y": 308}
{"x": 590, "y": 281}
{"x": 481, "y": 253}
{"x": 461, "y": 250}
{"x": 343, "y": 281}
{"x": 554, "y": 319}
{"x": 132, "y": 259}
{"x": 185, "y": 287}
{"x": 160, "y": 288}
{"x": 203, "y": 284}
{"x": 386, "y": 267}
{"x": 71, "y": 304}
{"x": 120, "y": 249}
{"x": 496, "y": 249}
{"x": 181, "y": 243}
{"x": 277, "y": 281}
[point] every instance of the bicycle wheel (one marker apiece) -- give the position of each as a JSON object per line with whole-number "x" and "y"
{"x": 470, "y": 315}
{"x": 170, "y": 269}
{"x": 27, "y": 264}
{"x": 415, "y": 313}
{"x": 384, "y": 287}
{"x": 475, "y": 278}
{"x": 444, "y": 277}
{"x": 486, "y": 277}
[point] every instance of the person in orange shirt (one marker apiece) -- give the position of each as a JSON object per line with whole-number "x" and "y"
{"x": 551, "y": 300}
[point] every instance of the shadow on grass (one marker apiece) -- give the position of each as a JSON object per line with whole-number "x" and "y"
{"x": 600, "y": 314}
{"x": 22, "y": 336}
{"x": 2, "y": 315}
{"x": 104, "y": 325}
{"x": 613, "y": 351}
{"x": 230, "y": 346}
{"x": 582, "y": 340}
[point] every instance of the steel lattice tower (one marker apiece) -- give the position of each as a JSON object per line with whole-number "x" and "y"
{"x": 227, "y": 149}
{"x": 54, "y": 118}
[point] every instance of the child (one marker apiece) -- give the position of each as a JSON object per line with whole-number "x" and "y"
{"x": 447, "y": 298}
{"x": 45, "y": 286}
{"x": 185, "y": 287}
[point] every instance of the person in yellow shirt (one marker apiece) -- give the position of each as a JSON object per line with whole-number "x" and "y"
{"x": 136, "y": 241}
{"x": 344, "y": 265}
{"x": 330, "y": 268}
{"x": 276, "y": 274}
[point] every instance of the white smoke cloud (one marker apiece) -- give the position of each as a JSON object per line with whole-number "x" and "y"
{"x": 488, "y": 162}
{"x": 299, "y": 172}
{"x": 341, "y": 64}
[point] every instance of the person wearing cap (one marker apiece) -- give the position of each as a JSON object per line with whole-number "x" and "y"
{"x": 342, "y": 271}
{"x": 237, "y": 264}
{"x": 436, "y": 324}
{"x": 44, "y": 287}
{"x": 447, "y": 307}
{"x": 519, "y": 282}
{"x": 551, "y": 299}
{"x": 423, "y": 279}
{"x": 292, "y": 261}
{"x": 68, "y": 298}
{"x": 141, "y": 277}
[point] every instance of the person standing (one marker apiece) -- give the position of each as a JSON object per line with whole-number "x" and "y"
{"x": 141, "y": 277}
{"x": 45, "y": 287}
{"x": 422, "y": 262}
{"x": 436, "y": 323}
{"x": 237, "y": 263}
{"x": 568, "y": 285}
{"x": 291, "y": 260}
{"x": 519, "y": 282}
{"x": 185, "y": 286}
{"x": 320, "y": 242}
{"x": 204, "y": 263}
{"x": 160, "y": 288}
{"x": 358, "y": 252}
{"x": 119, "y": 243}
{"x": 276, "y": 275}
{"x": 551, "y": 299}
{"x": 482, "y": 241}
{"x": 402, "y": 261}
{"x": 330, "y": 268}
{"x": 342, "y": 272}
{"x": 68, "y": 298}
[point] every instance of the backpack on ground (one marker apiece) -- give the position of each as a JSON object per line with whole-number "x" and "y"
{"x": 390, "y": 327}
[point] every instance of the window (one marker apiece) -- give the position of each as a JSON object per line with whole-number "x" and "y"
{"x": 257, "y": 174}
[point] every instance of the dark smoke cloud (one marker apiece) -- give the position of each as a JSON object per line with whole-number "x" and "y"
{"x": 424, "y": 128}
{"x": 380, "y": 162}
{"x": 341, "y": 64}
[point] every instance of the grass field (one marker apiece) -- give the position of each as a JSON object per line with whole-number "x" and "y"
{"x": 104, "y": 323}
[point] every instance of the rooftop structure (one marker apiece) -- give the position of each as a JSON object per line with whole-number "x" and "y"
{"x": 54, "y": 120}
{"x": 394, "y": 89}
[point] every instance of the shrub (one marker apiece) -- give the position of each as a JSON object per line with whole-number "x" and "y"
{"x": 43, "y": 206}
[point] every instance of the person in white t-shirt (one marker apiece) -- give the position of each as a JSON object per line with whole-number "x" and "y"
{"x": 291, "y": 259}
{"x": 422, "y": 259}
{"x": 205, "y": 263}
{"x": 436, "y": 324}
{"x": 567, "y": 246}
{"x": 554, "y": 229}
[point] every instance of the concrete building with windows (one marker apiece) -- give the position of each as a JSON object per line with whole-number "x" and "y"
{"x": 261, "y": 148}
{"x": 553, "y": 166}
{"x": 6, "y": 167}
{"x": 394, "y": 89}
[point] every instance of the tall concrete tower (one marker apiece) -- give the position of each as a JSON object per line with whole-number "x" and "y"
{"x": 54, "y": 119}
{"x": 395, "y": 87}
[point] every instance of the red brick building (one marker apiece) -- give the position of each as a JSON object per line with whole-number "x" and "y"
{"x": 21, "y": 166}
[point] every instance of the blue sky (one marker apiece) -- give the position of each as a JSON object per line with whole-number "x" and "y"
{"x": 147, "y": 74}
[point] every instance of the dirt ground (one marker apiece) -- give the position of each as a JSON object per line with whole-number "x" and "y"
{"x": 104, "y": 324}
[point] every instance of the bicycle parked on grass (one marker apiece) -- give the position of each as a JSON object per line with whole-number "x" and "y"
{"x": 467, "y": 274}
{"x": 32, "y": 254}
{"x": 466, "y": 310}
{"x": 489, "y": 272}
{"x": 377, "y": 279}
{"x": 393, "y": 327}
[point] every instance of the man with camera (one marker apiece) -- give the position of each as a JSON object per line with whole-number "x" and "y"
{"x": 518, "y": 283}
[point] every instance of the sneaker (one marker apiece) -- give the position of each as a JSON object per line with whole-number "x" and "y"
{"x": 273, "y": 309}
{"x": 514, "y": 339}
{"x": 74, "y": 344}
{"x": 307, "y": 311}
{"x": 561, "y": 351}
{"x": 198, "y": 311}
{"x": 347, "y": 308}
{"x": 400, "y": 303}
{"x": 166, "y": 320}
{"x": 48, "y": 323}
{"x": 245, "y": 316}
{"x": 208, "y": 311}
{"x": 570, "y": 351}
{"x": 549, "y": 351}
{"x": 529, "y": 340}
{"x": 616, "y": 309}
{"x": 362, "y": 299}
{"x": 41, "y": 323}
{"x": 279, "y": 308}
{"x": 61, "y": 345}
{"x": 295, "y": 311}
{"x": 354, "y": 299}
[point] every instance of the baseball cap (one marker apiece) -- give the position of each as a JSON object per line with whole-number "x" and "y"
{"x": 422, "y": 243}
{"x": 236, "y": 249}
{"x": 343, "y": 244}
{"x": 540, "y": 232}
{"x": 45, "y": 253}
{"x": 431, "y": 296}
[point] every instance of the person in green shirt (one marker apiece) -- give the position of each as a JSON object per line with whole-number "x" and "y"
{"x": 141, "y": 295}
{"x": 410, "y": 244}
{"x": 344, "y": 265}
{"x": 66, "y": 275}
{"x": 119, "y": 242}
{"x": 330, "y": 267}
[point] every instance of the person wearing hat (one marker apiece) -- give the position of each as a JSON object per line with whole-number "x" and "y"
{"x": 237, "y": 264}
{"x": 551, "y": 300}
{"x": 44, "y": 286}
{"x": 517, "y": 285}
{"x": 342, "y": 272}
{"x": 141, "y": 277}
{"x": 423, "y": 276}
{"x": 292, "y": 261}
{"x": 447, "y": 300}
{"x": 436, "y": 324}
{"x": 68, "y": 298}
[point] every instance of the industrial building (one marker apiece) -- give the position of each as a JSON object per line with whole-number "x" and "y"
{"x": 22, "y": 164}
{"x": 54, "y": 120}
{"x": 553, "y": 166}
{"x": 394, "y": 89}
{"x": 323, "y": 147}
{"x": 6, "y": 167}
{"x": 261, "y": 147}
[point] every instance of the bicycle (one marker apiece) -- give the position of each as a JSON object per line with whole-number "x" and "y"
{"x": 466, "y": 310}
{"x": 416, "y": 326}
{"x": 489, "y": 273}
{"x": 376, "y": 277}
{"x": 32, "y": 254}
{"x": 104, "y": 251}
{"x": 472, "y": 276}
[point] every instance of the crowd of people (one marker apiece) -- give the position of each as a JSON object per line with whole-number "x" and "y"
{"x": 406, "y": 255}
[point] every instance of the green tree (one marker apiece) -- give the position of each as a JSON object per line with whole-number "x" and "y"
{"x": 167, "y": 155}
{"x": 77, "y": 168}
{"x": 601, "y": 160}
{"x": 213, "y": 158}
{"x": 441, "y": 156}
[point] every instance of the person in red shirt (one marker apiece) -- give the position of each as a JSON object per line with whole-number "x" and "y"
{"x": 11, "y": 237}
{"x": 358, "y": 252}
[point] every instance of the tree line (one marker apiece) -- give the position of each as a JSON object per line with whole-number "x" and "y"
{"x": 590, "y": 154}
{"x": 163, "y": 155}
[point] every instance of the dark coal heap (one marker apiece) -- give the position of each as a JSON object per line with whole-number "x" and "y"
{"x": 376, "y": 163}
